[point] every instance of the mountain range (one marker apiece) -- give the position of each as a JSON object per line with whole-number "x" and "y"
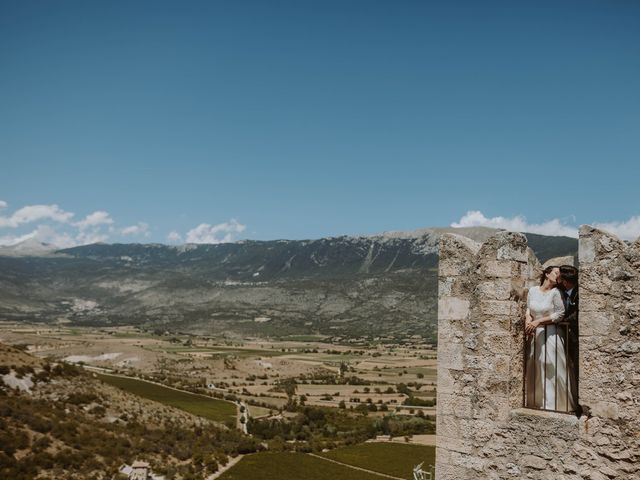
{"x": 345, "y": 287}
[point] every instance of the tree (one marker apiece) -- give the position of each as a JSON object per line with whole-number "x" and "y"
{"x": 288, "y": 386}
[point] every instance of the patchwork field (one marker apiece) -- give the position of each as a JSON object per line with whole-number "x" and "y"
{"x": 301, "y": 396}
{"x": 292, "y": 466}
{"x": 249, "y": 369}
{"x": 395, "y": 459}
{"x": 210, "y": 408}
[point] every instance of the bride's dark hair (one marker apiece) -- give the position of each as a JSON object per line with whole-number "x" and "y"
{"x": 545, "y": 272}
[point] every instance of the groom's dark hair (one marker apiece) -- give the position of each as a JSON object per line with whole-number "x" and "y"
{"x": 569, "y": 273}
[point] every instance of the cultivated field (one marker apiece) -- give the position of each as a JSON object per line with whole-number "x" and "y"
{"x": 292, "y": 466}
{"x": 302, "y": 395}
{"x": 326, "y": 374}
{"x": 210, "y": 408}
{"x": 394, "y": 459}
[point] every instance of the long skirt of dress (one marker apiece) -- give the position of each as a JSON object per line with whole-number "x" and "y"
{"x": 550, "y": 382}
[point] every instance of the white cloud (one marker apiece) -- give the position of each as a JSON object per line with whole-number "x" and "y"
{"x": 554, "y": 227}
{"x": 8, "y": 240}
{"x": 99, "y": 217}
{"x": 91, "y": 236}
{"x": 140, "y": 228}
{"x": 43, "y": 234}
{"x": 220, "y": 233}
{"x": 174, "y": 237}
{"x": 33, "y": 213}
{"x": 629, "y": 230}
{"x": 55, "y": 226}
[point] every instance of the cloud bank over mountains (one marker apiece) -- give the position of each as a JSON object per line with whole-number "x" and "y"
{"x": 33, "y": 213}
{"x": 53, "y": 225}
{"x": 205, "y": 233}
{"x": 627, "y": 230}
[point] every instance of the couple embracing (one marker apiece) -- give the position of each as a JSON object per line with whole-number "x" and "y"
{"x": 551, "y": 328}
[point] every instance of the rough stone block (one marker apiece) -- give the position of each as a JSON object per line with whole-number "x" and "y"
{"x": 481, "y": 430}
{"x": 450, "y": 333}
{"x": 535, "y": 462}
{"x": 497, "y": 343}
{"x": 598, "y": 245}
{"x": 453, "y": 472}
{"x": 498, "y": 307}
{"x": 456, "y": 405}
{"x": 495, "y": 406}
{"x": 497, "y": 289}
{"x": 462, "y": 286}
{"x": 501, "y": 323}
{"x": 454, "y": 444}
{"x": 450, "y": 426}
{"x": 586, "y": 249}
{"x": 512, "y": 252}
{"x": 444, "y": 287}
{"x": 451, "y": 356}
{"x": 595, "y": 323}
{"x": 605, "y": 409}
{"x": 590, "y": 302}
{"x": 492, "y": 384}
{"x": 452, "y": 267}
{"x": 595, "y": 280}
{"x": 452, "y": 308}
{"x": 501, "y": 269}
{"x": 446, "y": 382}
{"x": 467, "y": 461}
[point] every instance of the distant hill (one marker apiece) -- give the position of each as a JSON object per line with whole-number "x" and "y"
{"x": 345, "y": 286}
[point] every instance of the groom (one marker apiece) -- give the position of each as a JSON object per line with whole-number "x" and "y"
{"x": 569, "y": 290}
{"x": 568, "y": 283}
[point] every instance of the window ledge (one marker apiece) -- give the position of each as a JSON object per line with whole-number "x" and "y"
{"x": 568, "y": 418}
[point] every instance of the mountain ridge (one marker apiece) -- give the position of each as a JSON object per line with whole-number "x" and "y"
{"x": 32, "y": 247}
{"x": 346, "y": 286}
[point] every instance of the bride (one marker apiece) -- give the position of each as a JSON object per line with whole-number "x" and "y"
{"x": 547, "y": 377}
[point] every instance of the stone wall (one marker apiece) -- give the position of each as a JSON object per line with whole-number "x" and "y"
{"x": 482, "y": 429}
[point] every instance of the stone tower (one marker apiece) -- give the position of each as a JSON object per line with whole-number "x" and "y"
{"x": 483, "y": 431}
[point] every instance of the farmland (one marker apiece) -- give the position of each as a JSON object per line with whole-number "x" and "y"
{"x": 386, "y": 458}
{"x": 210, "y": 408}
{"x": 381, "y": 377}
{"x": 394, "y": 459}
{"x": 287, "y": 465}
{"x": 321, "y": 410}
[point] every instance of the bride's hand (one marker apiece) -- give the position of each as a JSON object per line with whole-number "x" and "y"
{"x": 530, "y": 327}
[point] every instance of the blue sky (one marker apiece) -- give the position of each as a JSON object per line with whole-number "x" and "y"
{"x": 212, "y": 121}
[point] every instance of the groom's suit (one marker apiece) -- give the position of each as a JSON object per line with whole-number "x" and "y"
{"x": 570, "y": 301}
{"x": 571, "y": 310}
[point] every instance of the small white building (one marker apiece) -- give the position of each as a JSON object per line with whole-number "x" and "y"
{"x": 139, "y": 471}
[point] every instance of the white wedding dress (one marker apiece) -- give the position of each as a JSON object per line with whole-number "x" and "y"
{"x": 548, "y": 381}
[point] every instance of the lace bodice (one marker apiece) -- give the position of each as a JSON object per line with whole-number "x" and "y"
{"x": 541, "y": 303}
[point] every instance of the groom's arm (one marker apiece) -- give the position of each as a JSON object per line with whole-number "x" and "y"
{"x": 572, "y": 316}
